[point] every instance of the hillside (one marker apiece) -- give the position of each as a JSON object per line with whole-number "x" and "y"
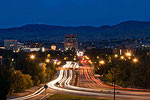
{"x": 129, "y": 29}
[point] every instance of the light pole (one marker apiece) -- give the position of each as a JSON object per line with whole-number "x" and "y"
{"x": 113, "y": 82}
{"x": 113, "y": 75}
{"x": 114, "y": 85}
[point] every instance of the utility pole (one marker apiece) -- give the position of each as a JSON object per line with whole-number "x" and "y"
{"x": 114, "y": 89}
{"x": 114, "y": 84}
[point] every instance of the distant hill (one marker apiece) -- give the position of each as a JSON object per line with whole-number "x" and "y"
{"x": 129, "y": 29}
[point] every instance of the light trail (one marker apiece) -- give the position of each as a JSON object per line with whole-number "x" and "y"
{"x": 31, "y": 95}
{"x": 89, "y": 79}
{"x": 39, "y": 91}
{"x": 79, "y": 90}
{"x": 64, "y": 78}
{"x": 98, "y": 81}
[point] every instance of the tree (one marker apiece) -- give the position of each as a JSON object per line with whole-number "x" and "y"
{"x": 17, "y": 82}
{"x": 28, "y": 81}
{"x": 49, "y": 74}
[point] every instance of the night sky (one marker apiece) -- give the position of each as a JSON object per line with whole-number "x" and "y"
{"x": 72, "y": 12}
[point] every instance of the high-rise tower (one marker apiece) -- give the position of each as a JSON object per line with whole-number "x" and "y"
{"x": 71, "y": 42}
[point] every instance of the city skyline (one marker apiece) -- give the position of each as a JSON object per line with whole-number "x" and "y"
{"x": 74, "y": 50}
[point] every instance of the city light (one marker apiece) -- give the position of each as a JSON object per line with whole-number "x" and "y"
{"x": 128, "y": 54}
{"x": 80, "y": 53}
{"x": 90, "y": 61}
{"x": 47, "y": 60}
{"x": 65, "y": 58}
{"x": 48, "y": 55}
{"x": 102, "y": 62}
{"x": 55, "y": 62}
{"x": 32, "y": 56}
{"x": 43, "y": 49}
{"x": 59, "y": 62}
{"x": 53, "y": 47}
{"x": 116, "y": 55}
{"x": 135, "y": 60}
{"x": 74, "y": 58}
{"x": 122, "y": 57}
{"x": 86, "y": 57}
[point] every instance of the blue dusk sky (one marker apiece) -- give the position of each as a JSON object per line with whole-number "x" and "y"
{"x": 72, "y": 12}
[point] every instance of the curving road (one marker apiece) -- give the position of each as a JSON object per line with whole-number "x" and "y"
{"x": 97, "y": 88}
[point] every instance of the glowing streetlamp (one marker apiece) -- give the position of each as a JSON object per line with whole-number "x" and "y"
{"x": 122, "y": 57}
{"x": 128, "y": 54}
{"x": 55, "y": 62}
{"x": 135, "y": 60}
{"x": 47, "y": 60}
{"x": 74, "y": 58}
{"x": 65, "y": 58}
{"x": 32, "y": 56}
{"x": 102, "y": 62}
{"x": 129, "y": 57}
{"x": 116, "y": 55}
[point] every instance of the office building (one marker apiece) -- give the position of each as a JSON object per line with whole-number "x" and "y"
{"x": 71, "y": 42}
{"x": 10, "y": 44}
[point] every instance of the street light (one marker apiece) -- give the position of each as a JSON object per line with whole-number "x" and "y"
{"x": 32, "y": 56}
{"x": 74, "y": 58}
{"x": 129, "y": 57}
{"x": 65, "y": 58}
{"x": 128, "y": 54}
{"x": 116, "y": 56}
{"x": 55, "y": 62}
{"x": 122, "y": 57}
{"x": 135, "y": 60}
{"x": 47, "y": 60}
{"x": 102, "y": 62}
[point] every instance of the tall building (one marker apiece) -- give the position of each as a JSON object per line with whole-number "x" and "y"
{"x": 10, "y": 44}
{"x": 71, "y": 42}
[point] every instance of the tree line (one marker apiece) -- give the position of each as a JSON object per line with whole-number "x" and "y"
{"x": 124, "y": 72}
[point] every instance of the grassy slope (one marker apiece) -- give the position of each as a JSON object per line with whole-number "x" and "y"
{"x": 70, "y": 97}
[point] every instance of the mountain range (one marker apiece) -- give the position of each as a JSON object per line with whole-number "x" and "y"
{"x": 39, "y": 32}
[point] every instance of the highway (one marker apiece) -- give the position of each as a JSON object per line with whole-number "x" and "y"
{"x": 66, "y": 87}
{"x": 90, "y": 86}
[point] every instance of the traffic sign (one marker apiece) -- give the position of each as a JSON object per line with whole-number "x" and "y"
{"x": 57, "y": 83}
{"x": 45, "y": 86}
